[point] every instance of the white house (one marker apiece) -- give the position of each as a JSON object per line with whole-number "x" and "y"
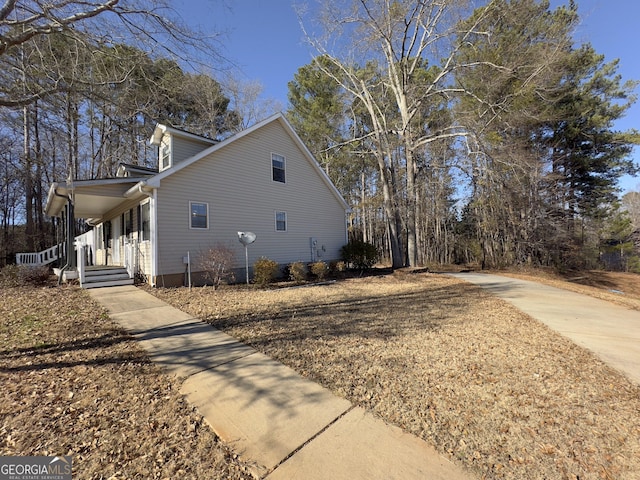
{"x": 263, "y": 180}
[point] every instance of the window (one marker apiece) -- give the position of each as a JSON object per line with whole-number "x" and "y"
{"x": 165, "y": 156}
{"x": 277, "y": 167}
{"x": 106, "y": 234}
{"x": 127, "y": 223}
{"x": 144, "y": 222}
{"x": 281, "y": 221}
{"x": 199, "y": 215}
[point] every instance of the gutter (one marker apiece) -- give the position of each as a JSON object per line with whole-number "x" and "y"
{"x": 53, "y": 192}
{"x": 50, "y": 195}
{"x": 139, "y": 189}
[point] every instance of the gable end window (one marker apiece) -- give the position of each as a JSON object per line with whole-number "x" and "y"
{"x": 277, "y": 167}
{"x": 281, "y": 221}
{"x": 165, "y": 156}
{"x": 199, "y": 215}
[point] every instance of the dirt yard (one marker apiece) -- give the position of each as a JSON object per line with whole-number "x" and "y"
{"x": 486, "y": 385}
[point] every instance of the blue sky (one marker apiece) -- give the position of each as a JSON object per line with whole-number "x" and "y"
{"x": 264, "y": 40}
{"x": 262, "y": 37}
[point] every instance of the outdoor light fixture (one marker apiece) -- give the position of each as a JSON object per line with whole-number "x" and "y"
{"x": 246, "y": 239}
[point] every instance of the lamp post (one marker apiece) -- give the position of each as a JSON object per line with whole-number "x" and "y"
{"x": 246, "y": 239}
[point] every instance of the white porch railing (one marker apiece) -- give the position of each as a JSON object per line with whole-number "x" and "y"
{"x": 44, "y": 257}
{"x": 84, "y": 254}
{"x": 52, "y": 254}
{"x": 130, "y": 259}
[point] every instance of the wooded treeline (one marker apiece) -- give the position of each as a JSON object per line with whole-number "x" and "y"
{"x": 457, "y": 135}
{"x": 75, "y": 103}
{"x": 460, "y": 136}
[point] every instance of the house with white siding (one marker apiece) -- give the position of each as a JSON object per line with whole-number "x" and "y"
{"x": 157, "y": 223}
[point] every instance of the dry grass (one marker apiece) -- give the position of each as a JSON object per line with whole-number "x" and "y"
{"x": 75, "y": 384}
{"x": 490, "y": 387}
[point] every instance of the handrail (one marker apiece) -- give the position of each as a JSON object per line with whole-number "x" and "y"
{"x": 44, "y": 257}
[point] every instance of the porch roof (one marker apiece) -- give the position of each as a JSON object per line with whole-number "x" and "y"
{"x": 92, "y": 199}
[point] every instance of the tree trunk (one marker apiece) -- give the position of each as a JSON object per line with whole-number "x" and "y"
{"x": 392, "y": 213}
{"x": 28, "y": 181}
{"x": 412, "y": 226}
{"x": 363, "y": 208}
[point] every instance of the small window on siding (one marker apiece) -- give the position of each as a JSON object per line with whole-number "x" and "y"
{"x": 277, "y": 167}
{"x": 165, "y": 156}
{"x": 144, "y": 222}
{"x": 281, "y": 221}
{"x": 199, "y": 215}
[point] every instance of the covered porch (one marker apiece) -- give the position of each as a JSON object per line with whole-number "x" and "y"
{"x": 107, "y": 254}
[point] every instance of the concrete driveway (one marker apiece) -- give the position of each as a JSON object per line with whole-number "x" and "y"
{"x": 610, "y": 331}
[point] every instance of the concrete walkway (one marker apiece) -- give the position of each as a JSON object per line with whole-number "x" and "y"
{"x": 608, "y": 330}
{"x": 286, "y": 425}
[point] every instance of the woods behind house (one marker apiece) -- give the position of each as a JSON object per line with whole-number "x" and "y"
{"x": 457, "y": 135}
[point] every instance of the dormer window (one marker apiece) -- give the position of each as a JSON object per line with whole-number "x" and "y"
{"x": 165, "y": 156}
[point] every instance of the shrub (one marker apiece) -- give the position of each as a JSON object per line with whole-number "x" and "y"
{"x": 338, "y": 267}
{"x": 216, "y": 263}
{"x": 320, "y": 269}
{"x": 359, "y": 254}
{"x": 9, "y": 276}
{"x": 264, "y": 271}
{"x": 34, "y": 275}
{"x": 20, "y": 275}
{"x": 297, "y": 272}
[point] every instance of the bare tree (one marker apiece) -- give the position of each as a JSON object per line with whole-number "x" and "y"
{"x": 401, "y": 59}
{"x": 410, "y": 55}
{"x": 79, "y": 81}
{"x": 248, "y": 106}
{"x": 25, "y": 23}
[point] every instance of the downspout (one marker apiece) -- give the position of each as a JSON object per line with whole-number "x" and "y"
{"x": 68, "y": 236}
{"x": 155, "y": 261}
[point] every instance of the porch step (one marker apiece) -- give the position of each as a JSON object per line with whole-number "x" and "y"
{"x": 108, "y": 277}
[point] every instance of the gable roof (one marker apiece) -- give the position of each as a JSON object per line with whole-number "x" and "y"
{"x": 161, "y": 129}
{"x": 127, "y": 170}
{"x": 155, "y": 180}
{"x": 94, "y": 198}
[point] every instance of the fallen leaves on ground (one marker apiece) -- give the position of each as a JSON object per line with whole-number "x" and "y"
{"x": 75, "y": 384}
{"x": 488, "y": 386}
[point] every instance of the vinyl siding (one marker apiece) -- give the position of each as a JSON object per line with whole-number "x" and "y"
{"x": 182, "y": 148}
{"x": 236, "y": 183}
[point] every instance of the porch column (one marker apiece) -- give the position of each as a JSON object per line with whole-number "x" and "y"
{"x": 71, "y": 258}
